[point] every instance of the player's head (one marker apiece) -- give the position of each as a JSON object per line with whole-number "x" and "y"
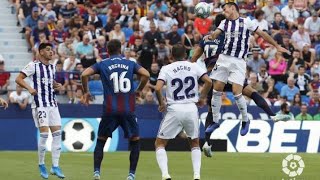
{"x": 114, "y": 47}
{"x": 45, "y": 51}
{"x": 229, "y": 9}
{"x": 178, "y": 52}
{"x": 218, "y": 19}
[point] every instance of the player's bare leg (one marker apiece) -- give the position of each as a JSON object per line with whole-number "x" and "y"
{"x": 162, "y": 158}
{"x": 196, "y": 158}
{"x": 98, "y": 156}
{"x": 42, "y": 151}
{"x": 242, "y": 106}
{"x": 134, "y": 156}
{"x": 260, "y": 102}
{"x": 56, "y": 151}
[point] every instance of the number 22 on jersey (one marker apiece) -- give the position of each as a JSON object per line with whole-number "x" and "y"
{"x": 180, "y": 84}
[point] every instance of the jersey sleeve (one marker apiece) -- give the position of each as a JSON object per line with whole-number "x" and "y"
{"x": 251, "y": 25}
{"x": 162, "y": 75}
{"x": 202, "y": 44}
{"x": 136, "y": 67}
{"x": 96, "y": 68}
{"x": 222, "y": 25}
{"x": 29, "y": 69}
{"x": 200, "y": 71}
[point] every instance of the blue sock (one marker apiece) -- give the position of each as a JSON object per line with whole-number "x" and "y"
{"x": 261, "y": 103}
{"x": 98, "y": 154}
{"x": 134, "y": 155}
{"x": 208, "y": 122}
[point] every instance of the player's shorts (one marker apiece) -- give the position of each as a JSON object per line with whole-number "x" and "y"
{"x": 110, "y": 122}
{"x": 177, "y": 118}
{"x": 46, "y": 116}
{"x": 229, "y": 69}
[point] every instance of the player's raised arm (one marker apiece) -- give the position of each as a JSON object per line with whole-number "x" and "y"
{"x": 270, "y": 40}
{"x": 207, "y": 85}
{"x": 20, "y": 81}
{"x": 197, "y": 54}
{"x": 144, "y": 78}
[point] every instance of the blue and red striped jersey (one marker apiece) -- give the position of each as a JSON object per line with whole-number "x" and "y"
{"x": 117, "y": 78}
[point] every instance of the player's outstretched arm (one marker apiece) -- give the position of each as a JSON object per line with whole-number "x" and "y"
{"x": 214, "y": 35}
{"x": 158, "y": 89}
{"x": 197, "y": 54}
{"x": 270, "y": 40}
{"x": 3, "y": 103}
{"x": 20, "y": 81}
{"x": 144, "y": 78}
{"x": 207, "y": 86}
{"x": 84, "y": 80}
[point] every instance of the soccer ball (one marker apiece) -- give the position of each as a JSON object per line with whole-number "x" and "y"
{"x": 203, "y": 10}
{"x": 78, "y": 135}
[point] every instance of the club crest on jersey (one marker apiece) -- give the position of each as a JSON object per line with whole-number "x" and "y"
{"x": 241, "y": 24}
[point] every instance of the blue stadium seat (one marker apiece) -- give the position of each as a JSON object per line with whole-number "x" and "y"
{"x": 181, "y": 31}
{"x": 317, "y": 48}
{"x": 279, "y": 86}
{"x": 230, "y": 96}
{"x": 104, "y": 19}
{"x": 305, "y": 99}
{"x": 95, "y": 88}
{"x": 128, "y": 32}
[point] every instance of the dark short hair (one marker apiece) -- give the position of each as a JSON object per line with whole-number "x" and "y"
{"x": 59, "y": 62}
{"x": 44, "y": 45}
{"x": 231, "y": 4}
{"x": 218, "y": 19}
{"x": 301, "y": 67}
{"x": 178, "y": 52}
{"x": 258, "y": 13}
{"x": 114, "y": 46}
{"x": 275, "y": 14}
{"x": 283, "y": 106}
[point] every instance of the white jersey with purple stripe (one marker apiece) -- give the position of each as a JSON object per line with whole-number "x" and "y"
{"x": 237, "y": 34}
{"x": 42, "y": 78}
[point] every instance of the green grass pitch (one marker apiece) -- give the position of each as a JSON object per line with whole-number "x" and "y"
{"x": 222, "y": 166}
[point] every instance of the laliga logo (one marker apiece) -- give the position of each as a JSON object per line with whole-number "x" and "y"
{"x": 293, "y": 165}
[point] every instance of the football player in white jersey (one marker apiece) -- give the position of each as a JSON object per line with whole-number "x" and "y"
{"x": 231, "y": 66}
{"x": 44, "y": 106}
{"x": 181, "y": 80}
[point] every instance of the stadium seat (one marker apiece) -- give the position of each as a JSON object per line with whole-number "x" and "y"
{"x": 104, "y": 19}
{"x": 127, "y": 32}
{"x": 305, "y": 99}
{"x": 279, "y": 86}
{"x": 230, "y": 96}
{"x": 95, "y": 88}
{"x": 317, "y": 48}
{"x": 181, "y": 31}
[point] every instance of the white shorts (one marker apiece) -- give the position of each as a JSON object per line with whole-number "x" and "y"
{"x": 229, "y": 69}
{"x": 180, "y": 117}
{"x": 46, "y": 116}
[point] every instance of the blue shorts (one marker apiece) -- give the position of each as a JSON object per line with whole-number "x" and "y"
{"x": 110, "y": 122}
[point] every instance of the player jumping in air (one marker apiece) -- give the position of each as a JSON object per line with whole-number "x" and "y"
{"x": 212, "y": 49}
{"x": 119, "y": 102}
{"x": 181, "y": 80}
{"x": 45, "y": 111}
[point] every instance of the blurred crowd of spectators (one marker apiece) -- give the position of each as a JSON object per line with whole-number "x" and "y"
{"x": 147, "y": 29}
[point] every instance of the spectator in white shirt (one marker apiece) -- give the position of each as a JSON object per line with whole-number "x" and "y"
{"x": 300, "y": 37}
{"x": 260, "y": 21}
{"x": 290, "y": 14}
{"x": 70, "y": 63}
{"x": 19, "y": 97}
{"x": 269, "y": 11}
{"x": 312, "y": 26}
{"x": 48, "y": 12}
{"x": 165, "y": 23}
{"x": 144, "y": 22}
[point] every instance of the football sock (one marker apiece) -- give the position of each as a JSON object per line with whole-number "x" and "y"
{"x": 196, "y": 160}
{"x": 56, "y": 147}
{"x": 242, "y": 106}
{"x": 42, "y": 146}
{"x": 216, "y": 105}
{"x": 134, "y": 155}
{"x": 98, "y": 154}
{"x": 261, "y": 103}
{"x": 208, "y": 122}
{"x": 162, "y": 160}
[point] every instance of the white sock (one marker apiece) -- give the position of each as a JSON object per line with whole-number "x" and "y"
{"x": 42, "y": 147}
{"x": 162, "y": 160}
{"x": 196, "y": 160}
{"x": 56, "y": 147}
{"x": 242, "y": 106}
{"x": 216, "y": 105}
